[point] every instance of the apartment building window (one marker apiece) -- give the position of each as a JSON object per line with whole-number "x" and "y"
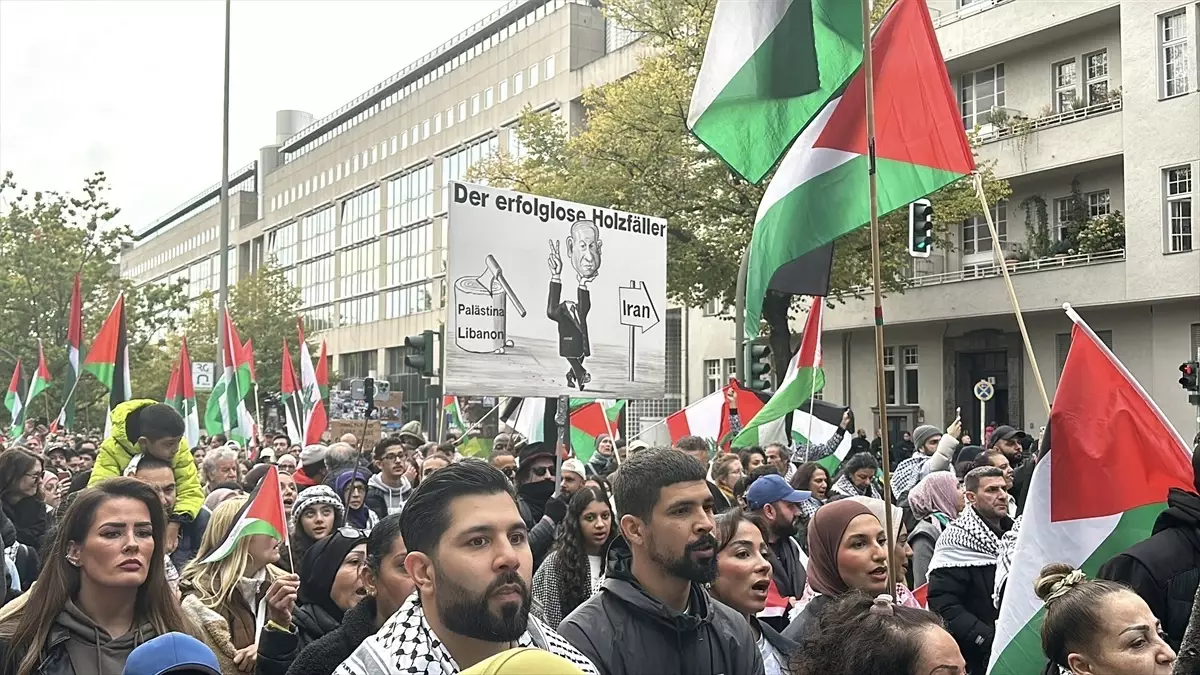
{"x": 1099, "y": 203}
{"x": 360, "y": 217}
{"x": 374, "y": 155}
{"x": 395, "y": 145}
{"x": 905, "y": 372}
{"x": 316, "y": 234}
{"x": 449, "y": 117}
{"x": 410, "y": 300}
{"x": 354, "y": 164}
{"x": 437, "y": 124}
{"x": 410, "y": 197}
{"x": 316, "y": 282}
{"x": 358, "y": 311}
{"x": 548, "y": 67}
{"x": 201, "y": 278}
{"x": 712, "y": 375}
{"x": 911, "y": 379}
{"x": 425, "y": 129}
{"x": 282, "y": 244}
{"x": 533, "y": 76}
{"x": 416, "y": 133}
{"x": 475, "y": 105}
{"x": 1097, "y": 76}
{"x": 462, "y": 111}
{"x": 1064, "y": 86}
{"x": 503, "y": 90}
{"x": 980, "y": 91}
{"x": 456, "y": 165}
{"x": 975, "y": 235}
{"x": 1179, "y": 208}
{"x": 409, "y": 257}
{"x": 518, "y": 82}
{"x": 713, "y": 307}
{"x": 358, "y": 270}
{"x": 516, "y": 149}
{"x": 889, "y": 374}
{"x": 1173, "y": 53}
{"x": 488, "y": 98}
{"x": 358, "y": 364}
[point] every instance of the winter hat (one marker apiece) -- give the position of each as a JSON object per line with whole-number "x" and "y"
{"x": 531, "y": 451}
{"x": 824, "y": 537}
{"x": 311, "y": 454}
{"x": 936, "y": 493}
{"x": 344, "y": 478}
{"x": 412, "y": 430}
{"x": 574, "y": 466}
{"x": 522, "y": 661}
{"x": 320, "y": 566}
{"x": 311, "y": 496}
{"x": 172, "y": 653}
{"x": 923, "y": 433}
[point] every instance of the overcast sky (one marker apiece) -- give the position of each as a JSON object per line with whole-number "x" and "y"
{"x": 133, "y": 88}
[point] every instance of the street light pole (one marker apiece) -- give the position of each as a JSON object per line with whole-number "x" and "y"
{"x": 223, "y": 288}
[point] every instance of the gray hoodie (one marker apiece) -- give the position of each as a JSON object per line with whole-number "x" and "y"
{"x": 384, "y": 499}
{"x": 90, "y": 647}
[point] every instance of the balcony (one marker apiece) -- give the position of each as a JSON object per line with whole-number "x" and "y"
{"x": 1042, "y": 285}
{"x": 1023, "y": 145}
{"x": 973, "y": 30}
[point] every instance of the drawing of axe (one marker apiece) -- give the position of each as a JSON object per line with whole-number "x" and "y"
{"x": 494, "y": 273}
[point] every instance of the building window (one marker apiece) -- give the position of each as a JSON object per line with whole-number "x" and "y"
{"x": 1097, "y": 77}
{"x": 409, "y": 257}
{"x": 456, "y": 165}
{"x": 360, "y": 217}
{"x": 1062, "y": 217}
{"x": 1064, "y": 86}
{"x": 981, "y": 91}
{"x": 730, "y": 371}
{"x": 425, "y": 129}
{"x": 358, "y": 270}
{"x": 516, "y": 149}
{"x": 518, "y": 82}
{"x": 533, "y": 76}
{"x": 889, "y": 374}
{"x": 1062, "y": 345}
{"x": 410, "y": 300}
{"x": 358, "y": 311}
{"x": 316, "y": 282}
{"x": 975, "y": 235}
{"x": 1099, "y": 203}
{"x": 1179, "y": 209}
{"x": 410, "y": 197}
{"x": 403, "y": 140}
{"x": 503, "y": 90}
{"x": 548, "y": 67}
{"x": 374, "y": 155}
{"x": 714, "y": 307}
{"x": 475, "y": 105}
{"x": 1173, "y": 54}
{"x": 910, "y": 363}
{"x": 437, "y": 124}
{"x": 462, "y": 111}
{"x": 488, "y": 98}
{"x": 904, "y": 372}
{"x": 395, "y": 146}
{"x": 358, "y": 364}
{"x": 449, "y": 117}
{"x": 316, "y": 234}
{"x": 712, "y": 376}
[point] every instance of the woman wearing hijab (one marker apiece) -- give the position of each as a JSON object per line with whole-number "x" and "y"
{"x": 847, "y": 549}
{"x": 329, "y": 583}
{"x": 935, "y": 501}
{"x": 901, "y": 552}
{"x": 351, "y": 486}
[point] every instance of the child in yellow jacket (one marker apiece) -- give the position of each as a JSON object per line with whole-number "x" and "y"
{"x": 145, "y": 426}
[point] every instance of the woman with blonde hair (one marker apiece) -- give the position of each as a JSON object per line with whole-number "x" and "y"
{"x": 102, "y": 590}
{"x": 242, "y": 603}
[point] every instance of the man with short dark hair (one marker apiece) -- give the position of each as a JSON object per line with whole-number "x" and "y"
{"x": 84, "y": 457}
{"x": 56, "y": 458}
{"x": 962, "y": 572}
{"x": 387, "y": 490}
{"x": 469, "y": 557}
{"x": 697, "y": 448}
{"x": 504, "y": 460}
{"x": 779, "y": 504}
{"x": 652, "y": 614}
{"x": 1008, "y": 440}
{"x": 161, "y": 475}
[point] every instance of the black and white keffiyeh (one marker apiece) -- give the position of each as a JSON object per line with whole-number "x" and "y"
{"x": 845, "y": 488}
{"x": 406, "y": 645}
{"x": 1008, "y": 544}
{"x": 966, "y": 542}
{"x": 907, "y": 475}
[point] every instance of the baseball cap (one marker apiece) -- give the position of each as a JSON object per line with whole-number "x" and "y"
{"x": 522, "y": 661}
{"x": 773, "y": 488}
{"x": 637, "y": 445}
{"x": 1004, "y": 433}
{"x": 172, "y": 653}
{"x": 574, "y": 466}
{"x": 311, "y": 454}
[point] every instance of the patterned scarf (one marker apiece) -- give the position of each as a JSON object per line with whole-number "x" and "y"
{"x": 907, "y": 475}
{"x": 845, "y": 488}
{"x": 1008, "y": 544}
{"x": 966, "y": 542}
{"x": 406, "y": 645}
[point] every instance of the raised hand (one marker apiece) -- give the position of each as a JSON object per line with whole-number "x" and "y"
{"x": 555, "y": 259}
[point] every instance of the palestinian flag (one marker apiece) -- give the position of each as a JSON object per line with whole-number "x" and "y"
{"x": 41, "y": 378}
{"x": 804, "y": 378}
{"x": 709, "y": 417}
{"x": 226, "y": 411}
{"x": 527, "y": 417}
{"x": 181, "y": 395}
{"x": 290, "y": 393}
{"x": 108, "y": 360}
{"x": 452, "y": 415}
{"x": 819, "y": 427}
{"x": 66, "y": 418}
{"x": 1098, "y": 491}
{"x": 769, "y": 67}
{"x": 15, "y": 402}
{"x": 262, "y": 514}
{"x": 248, "y": 357}
{"x": 313, "y": 419}
{"x": 820, "y": 189}
{"x": 322, "y": 373}
{"x": 590, "y": 420}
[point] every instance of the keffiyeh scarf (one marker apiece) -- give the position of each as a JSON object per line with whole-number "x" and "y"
{"x": 907, "y": 475}
{"x": 1008, "y": 545}
{"x": 845, "y": 488}
{"x": 406, "y": 645}
{"x": 966, "y": 542}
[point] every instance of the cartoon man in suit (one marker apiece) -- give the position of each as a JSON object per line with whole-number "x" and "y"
{"x": 584, "y": 248}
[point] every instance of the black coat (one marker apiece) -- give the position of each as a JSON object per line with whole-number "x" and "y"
{"x": 1165, "y": 569}
{"x": 31, "y": 520}
{"x": 326, "y": 654}
{"x": 1022, "y": 479}
{"x": 572, "y": 335}
{"x": 808, "y": 624}
{"x": 625, "y": 631}
{"x": 962, "y": 596}
{"x": 313, "y": 622}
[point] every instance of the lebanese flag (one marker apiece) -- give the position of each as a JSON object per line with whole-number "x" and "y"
{"x": 314, "y": 421}
{"x": 1099, "y": 490}
{"x": 708, "y": 418}
{"x": 290, "y": 392}
{"x": 263, "y": 513}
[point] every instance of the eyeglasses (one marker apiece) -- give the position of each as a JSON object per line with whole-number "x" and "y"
{"x": 541, "y": 471}
{"x": 390, "y": 457}
{"x": 352, "y": 532}
{"x": 36, "y": 476}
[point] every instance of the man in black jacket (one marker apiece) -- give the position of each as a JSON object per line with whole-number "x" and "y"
{"x": 1165, "y": 569}
{"x": 652, "y": 614}
{"x": 772, "y": 498}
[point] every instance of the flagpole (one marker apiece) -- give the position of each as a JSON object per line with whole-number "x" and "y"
{"x": 880, "y": 388}
{"x": 1012, "y": 293}
{"x": 223, "y": 288}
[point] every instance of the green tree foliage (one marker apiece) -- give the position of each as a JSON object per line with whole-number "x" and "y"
{"x": 46, "y": 238}
{"x": 634, "y": 153}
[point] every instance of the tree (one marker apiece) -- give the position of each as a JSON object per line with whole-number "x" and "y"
{"x": 264, "y": 307}
{"x": 46, "y": 238}
{"x": 635, "y": 153}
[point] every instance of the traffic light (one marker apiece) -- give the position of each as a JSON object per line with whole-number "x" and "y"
{"x": 420, "y": 356}
{"x": 920, "y": 228}
{"x": 1190, "y": 380}
{"x": 760, "y": 367}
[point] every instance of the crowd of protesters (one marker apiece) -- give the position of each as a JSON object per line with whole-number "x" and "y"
{"x": 406, "y": 557}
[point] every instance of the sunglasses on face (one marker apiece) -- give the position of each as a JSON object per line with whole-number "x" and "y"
{"x": 541, "y": 471}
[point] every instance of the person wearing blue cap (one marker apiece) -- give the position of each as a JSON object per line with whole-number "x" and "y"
{"x": 174, "y": 654}
{"x": 779, "y": 505}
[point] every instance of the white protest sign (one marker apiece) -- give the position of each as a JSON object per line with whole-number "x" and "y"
{"x": 202, "y": 376}
{"x": 550, "y": 298}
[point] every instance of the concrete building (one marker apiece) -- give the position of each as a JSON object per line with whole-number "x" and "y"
{"x": 1101, "y": 92}
{"x": 353, "y": 205}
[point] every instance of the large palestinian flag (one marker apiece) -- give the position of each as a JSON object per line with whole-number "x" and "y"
{"x": 263, "y": 513}
{"x": 108, "y": 359}
{"x": 820, "y": 190}
{"x": 1114, "y": 456}
{"x": 818, "y": 427}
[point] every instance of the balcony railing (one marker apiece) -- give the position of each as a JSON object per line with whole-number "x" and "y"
{"x": 1019, "y": 126}
{"x": 966, "y": 11}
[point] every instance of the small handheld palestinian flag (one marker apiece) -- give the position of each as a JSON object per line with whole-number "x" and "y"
{"x": 262, "y": 514}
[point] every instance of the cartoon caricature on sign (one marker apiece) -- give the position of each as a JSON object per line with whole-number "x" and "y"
{"x": 601, "y": 333}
